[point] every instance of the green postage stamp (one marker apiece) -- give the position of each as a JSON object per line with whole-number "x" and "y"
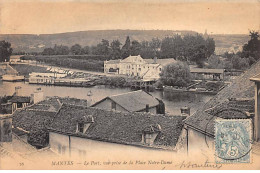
{"x": 233, "y": 140}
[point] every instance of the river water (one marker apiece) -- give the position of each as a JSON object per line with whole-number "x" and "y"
{"x": 173, "y": 101}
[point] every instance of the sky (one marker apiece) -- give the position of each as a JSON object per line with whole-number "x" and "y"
{"x": 58, "y": 16}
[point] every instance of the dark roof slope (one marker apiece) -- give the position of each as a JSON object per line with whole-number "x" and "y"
{"x": 118, "y": 127}
{"x": 133, "y": 101}
{"x": 20, "y": 99}
{"x": 32, "y": 119}
{"x": 244, "y": 105}
{"x": 73, "y": 101}
{"x": 240, "y": 88}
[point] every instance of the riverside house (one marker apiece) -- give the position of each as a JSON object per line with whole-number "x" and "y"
{"x": 136, "y": 101}
{"x": 136, "y": 66}
{"x": 82, "y": 132}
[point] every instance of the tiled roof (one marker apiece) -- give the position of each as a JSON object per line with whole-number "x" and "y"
{"x": 205, "y": 70}
{"x": 244, "y": 105}
{"x": 163, "y": 62}
{"x": 73, "y": 101}
{"x": 34, "y": 118}
{"x": 118, "y": 127}
{"x": 53, "y": 101}
{"x": 33, "y": 121}
{"x": 20, "y": 99}
{"x": 113, "y": 61}
{"x": 133, "y": 101}
{"x": 240, "y": 88}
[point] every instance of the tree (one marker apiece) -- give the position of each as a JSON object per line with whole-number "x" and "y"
{"x": 76, "y": 49}
{"x": 176, "y": 74}
{"x": 103, "y": 48}
{"x": 135, "y": 48}
{"x": 48, "y": 51}
{"x": 5, "y": 51}
{"x": 252, "y": 48}
{"x": 115, "y": 49}
{"x": 146, "y": 50}
{"x": 61, "y": 50}
{"x": 191, "y": 48}
{"x": 125, "y": 52}
{"x": 239, "y": 63}
{"x": 215, "y": 62}
{"x": 173, "y": 47}
{"x": 86, "y": 50}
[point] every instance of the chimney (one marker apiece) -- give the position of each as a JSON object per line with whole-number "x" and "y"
{"x": 147, "y": 108}
{"x": 5, "y": 128}
{"x": 185, "y": 110}
{"x": 155, "y": 60}
{"x": 37, "y": 96}
{"x": 17, "y": 89}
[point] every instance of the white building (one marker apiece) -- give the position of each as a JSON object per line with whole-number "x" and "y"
{"x": 147, "y": 69}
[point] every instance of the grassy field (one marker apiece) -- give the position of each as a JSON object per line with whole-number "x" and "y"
{"x": 85, "y": 62}
{"x": 24, "y": 69}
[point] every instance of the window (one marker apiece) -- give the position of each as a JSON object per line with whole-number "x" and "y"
{"x": 80, "y": 127}
{"x": 19, "y": 105}
{"x": 113, "y": 105}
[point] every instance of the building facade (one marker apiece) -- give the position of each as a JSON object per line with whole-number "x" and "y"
{"x": 136, "y": 66}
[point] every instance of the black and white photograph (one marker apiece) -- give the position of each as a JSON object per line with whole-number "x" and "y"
{"x": 129, "y": 85}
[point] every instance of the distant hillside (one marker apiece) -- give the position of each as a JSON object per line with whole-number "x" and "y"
{"x": 229, "y": 43}
{"x": 36, "y": 43}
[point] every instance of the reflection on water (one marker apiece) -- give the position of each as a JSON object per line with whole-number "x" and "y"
{"x": 173, "y": 101}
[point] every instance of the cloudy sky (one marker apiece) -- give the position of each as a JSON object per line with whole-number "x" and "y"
{"x": 57, "y": 16}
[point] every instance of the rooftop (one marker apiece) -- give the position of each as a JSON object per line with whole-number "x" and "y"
{"x": 20, "y": 99}
{"x": 205, "y": 70}
{"x": 163, "y": 62}
{"x": 113, "y": 61}
{"x": 133, "y": 101}
{"x": 118, "y": 127}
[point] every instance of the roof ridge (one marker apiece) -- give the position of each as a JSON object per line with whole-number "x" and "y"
{"x": 124, "y": 93}
{"x": 126, "y": 113}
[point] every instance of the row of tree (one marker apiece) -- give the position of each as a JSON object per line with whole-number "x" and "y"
{"x": 193, "y": 48}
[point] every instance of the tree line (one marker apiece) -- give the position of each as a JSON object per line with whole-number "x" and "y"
{"x": 192, "y": 48}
